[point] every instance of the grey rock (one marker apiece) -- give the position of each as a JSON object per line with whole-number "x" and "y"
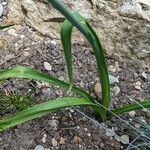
{"x": 97, "y": 88}
{"x": 134, "y": 8}
{"x": 54, "y": 124}
{"x": 39, "y": 147}
{"x": 110, "y": 133}
{"x": 54, "y": 142}
{"x": 113, "y": 79}
{"x": 132, "y": 16}
{"x": 47, "y": 66}
{"x": 125, "y": 139}
{"x": 144, "y": 75}
{"x": 116, "y": 90}
{"x": 1, "y": 10}
{"x": 4, "y": 3}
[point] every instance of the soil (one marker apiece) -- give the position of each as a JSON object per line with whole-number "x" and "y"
{"x": 70, "y": 128}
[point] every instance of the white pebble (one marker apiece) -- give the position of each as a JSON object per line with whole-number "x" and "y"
{"x": 47, "y": 66}
{"x": 144, "y": 75}
{"x": 89, "y": 134}
{"x": 1, "y": 10}
{"x": 125, "y": 139}
{"x": 117, "y": 138}
{"x": 116, "y": 90}
{"x": 44, "y": 138}
{"x": 12, "y": 32}
{"x": 39, "y": 147}
{"x": 113, "y": 79}
{"x": 132, "y": 113}
{"x": 54, "y": 124}
{"x": 110, "y": 133}
{"x": 4, "y": 3}
{"x": 54, "y": 142}
{"x": 97, "y": 88}
{"x": 53, "y": 42}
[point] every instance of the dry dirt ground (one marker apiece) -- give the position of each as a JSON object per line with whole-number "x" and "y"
{"x": 70, "y": 128}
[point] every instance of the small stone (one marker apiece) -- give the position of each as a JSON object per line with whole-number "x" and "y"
{"x": 54, "y": 142}
{"x": 114, "y": 68}
{"x": 110, "y": 133}
{"x": 132, "y": 113}
{"x": 47, "y": 66}
{"x": 116, "y": 90}
{"x": 39, "y": 147}
{"x": 89, "y": 134}
{"x": 117, "y": 138}
{"x": 113, "y": 79}
{"x": 144, "y": 75}
{"x": 137, "y": 85}
{"x": 44, "y": 138}
{"x": 12, "y": 32}
{"x": 143, "y": 121}
{"x": 1, "y": 10}
{"x": 4, "y": 3}
{"x": 85, "y": 129}
{"x": 72, "y": 110}
{"x": 97, "y": 88}
{"x": 54, "y": 124}
{"x": 26, "y": 54}
{"x": 125, "y": 139}
{"x": 22, "y": 36}
{"x": 77, "y": 139}
{"x": 53, "y": 42}
{"x": 62, "y": 141}
{"x": 137, "y": 125}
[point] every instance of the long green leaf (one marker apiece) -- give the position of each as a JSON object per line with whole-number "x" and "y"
{"x": 66, "y": 31}
{"x": 5, "y": 26}
{"x": 95, "y": 43}
{"x": 29, "y": 73}
{"x": 101, "y": 65}
{"x": 131, "y": 107}
{"x": 43, "y": 109}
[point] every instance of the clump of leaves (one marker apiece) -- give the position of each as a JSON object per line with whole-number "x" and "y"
{"x": 101, "y": 110}
{"x": 14, "y": 102}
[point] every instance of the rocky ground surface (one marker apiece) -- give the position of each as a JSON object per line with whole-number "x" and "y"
{"x": 24, "y": 44}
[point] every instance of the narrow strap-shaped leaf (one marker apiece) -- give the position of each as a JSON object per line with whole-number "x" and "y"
{"x": 27, "y": 72}
{"x": 43, "y": 109}
{"x": 66, "y": 31}
{"x": 101, "y": 65}
{"x": 5, "y": 26}
{"x": 95, "y": 43}
{"x": 131, "y": 107}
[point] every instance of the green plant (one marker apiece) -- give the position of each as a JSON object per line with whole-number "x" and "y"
{"x": 101, "y": 110}
{"x": 5, "y": 26}
{"x": 14, "y": 102}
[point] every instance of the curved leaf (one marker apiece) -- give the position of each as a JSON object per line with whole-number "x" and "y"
{"x": 101, "y": 65}
{"x": 66, "y": 31}
{"x": 131, "y": 107}
{"x": 5, "y": 26}
{"x": 43, "y": 109}
{"x": 27, "y": 72}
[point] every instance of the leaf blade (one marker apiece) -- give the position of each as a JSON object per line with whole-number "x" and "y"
{"x": 27, "y": 72}
{"x": 131, "y": 107}
{"x": 66, "y": 31}
{"x": 5, "y": 26}
{"x": 43, "y": 109}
